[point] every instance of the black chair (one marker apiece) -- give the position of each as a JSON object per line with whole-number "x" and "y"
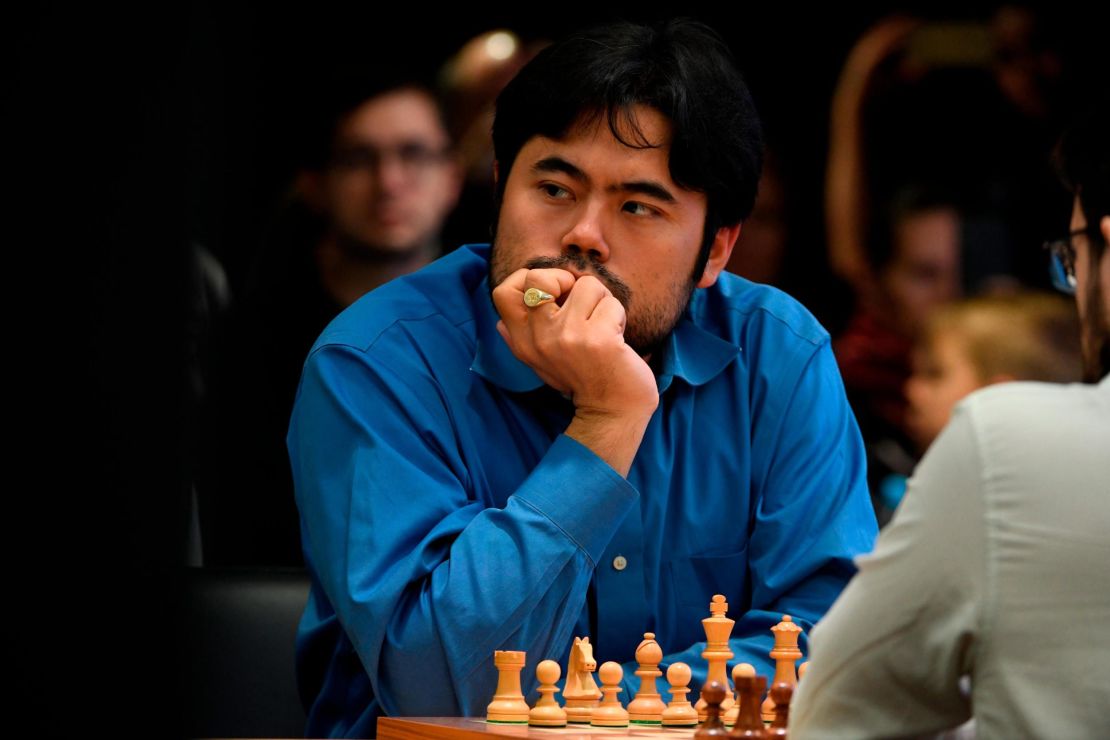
{"x": 240, "y": 626}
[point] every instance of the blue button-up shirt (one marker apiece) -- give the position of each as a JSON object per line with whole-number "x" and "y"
{"x": 445, "y": 515}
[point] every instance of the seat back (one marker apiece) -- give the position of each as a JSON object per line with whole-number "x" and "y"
{"x": 240, "y": 628}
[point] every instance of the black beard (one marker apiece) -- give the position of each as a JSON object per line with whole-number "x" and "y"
{"x": 643, "y": 343}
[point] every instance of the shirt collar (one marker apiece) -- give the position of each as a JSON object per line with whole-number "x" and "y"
{"x": 493, "y": 359}
{"x": 694, "y": 355}
{"x": 690, "y": 353}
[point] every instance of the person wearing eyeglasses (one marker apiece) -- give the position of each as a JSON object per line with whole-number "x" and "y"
{"x": 386, "y": 188}
{"x": 377, "y": 178}
{"x": 987, "y": 598}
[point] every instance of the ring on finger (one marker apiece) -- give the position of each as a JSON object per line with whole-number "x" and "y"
{"x": 535, "y": 297}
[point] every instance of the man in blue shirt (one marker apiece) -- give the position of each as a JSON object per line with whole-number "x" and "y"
{"x": 476, "y": 475}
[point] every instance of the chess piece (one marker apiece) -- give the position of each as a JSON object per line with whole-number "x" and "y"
{"x": 581, "y": 693}
{"x": 802, "y": 670}
{"x": 547, "y": 712}
{"x": 647, "y": 707}
{"x": 781, "y": 693}
{"x": 713, "y": 693}
{"x": 680, "y": 712}
{"x": 748, "y": 722}
{"x": 785, "y": 654}
{"x": 717, "y": 627}
{"x": 508, "y": 705}
{"x": 740, "y": 669}
{"x": 610, "y": 713}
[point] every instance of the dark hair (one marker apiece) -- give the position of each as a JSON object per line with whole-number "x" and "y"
{"x": 1030, "y": 336}
{"x": 1083, "y": 162}
{"x": 339, "y": 97}
{"x": 681, "y": 68}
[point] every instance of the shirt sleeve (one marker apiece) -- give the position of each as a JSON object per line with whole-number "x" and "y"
{"x": 813, "y": 514}
{"x": 427, "y": 581}
{"x": 887, "y": 660}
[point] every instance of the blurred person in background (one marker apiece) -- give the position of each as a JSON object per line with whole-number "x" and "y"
{"x": 470, "y": 81}
{"x": 935, "y": 190}
{"x": 968, "y": 345}
{"x": 971, "y": 104}
{"x": 986, "y": 340}
{"x": 916, "y": 253}
{"x": 987, "y": 596}
{"x": 378, "y": 177}
{"x": 761, "y": 254}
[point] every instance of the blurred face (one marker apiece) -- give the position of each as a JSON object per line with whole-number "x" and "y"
{"x": 591, "y": 205}
{"x": 942, "y": 375}
{"x": 925, "y": 271}
{"x": 765, "y": 231}
{"x": 392, "y": 181}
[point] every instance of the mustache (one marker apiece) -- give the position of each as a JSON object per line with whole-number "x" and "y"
{"x": 616, "y": 286}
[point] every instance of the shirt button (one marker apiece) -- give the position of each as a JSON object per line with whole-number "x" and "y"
{"x": 620, "y": 563}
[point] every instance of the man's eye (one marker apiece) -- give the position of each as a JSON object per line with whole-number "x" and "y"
{"x": 638, "y": 209}
{"x": 416, "y": 154}
{"x": 354, "y": 158}
{"x": 554, "y": 191}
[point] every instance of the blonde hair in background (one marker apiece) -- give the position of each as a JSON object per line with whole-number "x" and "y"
{"x": 1019, "y": 336}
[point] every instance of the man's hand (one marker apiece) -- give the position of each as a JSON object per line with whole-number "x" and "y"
{"x": 576, "y": 345}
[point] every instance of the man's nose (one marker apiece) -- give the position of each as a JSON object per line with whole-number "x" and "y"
{"x": 391, "y": 174}
{"x": 587, "y": 235}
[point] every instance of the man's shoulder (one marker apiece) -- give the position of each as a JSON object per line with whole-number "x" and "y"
{"x": 1025, "y": 423}
{"x": 432, "y": 300}
{"x": 740, "y": 310}
{"x": 1031, "y": 405}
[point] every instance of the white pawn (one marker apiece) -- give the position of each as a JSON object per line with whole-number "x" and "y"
{"x": 547, "y": 712}
{"x": 680, "y": 712}
{"x": 647, "y": 707}
{"x": 738, "y": 671}
{"x": 610, "y": 713}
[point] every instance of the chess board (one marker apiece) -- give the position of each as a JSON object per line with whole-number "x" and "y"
{"x": 476, "y": 728}
{"x": 509, "y": 703}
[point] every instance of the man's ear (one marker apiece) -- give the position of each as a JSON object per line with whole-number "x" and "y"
{"x": 719, "y": 252}
{"x": 1104, "y": 227}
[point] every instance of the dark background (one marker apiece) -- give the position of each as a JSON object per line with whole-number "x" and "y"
{"x": 131, "y": 134}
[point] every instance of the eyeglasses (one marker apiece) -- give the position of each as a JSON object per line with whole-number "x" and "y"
{"x": 413, "y": 159}
{"x": 1062, "y": 262}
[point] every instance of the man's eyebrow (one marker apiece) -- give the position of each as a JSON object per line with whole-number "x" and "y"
{"x": 645, "y": 187}
{"x": 558, "y": 164}
{"x": 650, "y": 188}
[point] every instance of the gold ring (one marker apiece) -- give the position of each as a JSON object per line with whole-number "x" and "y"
{"x": 535, "y": 297}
